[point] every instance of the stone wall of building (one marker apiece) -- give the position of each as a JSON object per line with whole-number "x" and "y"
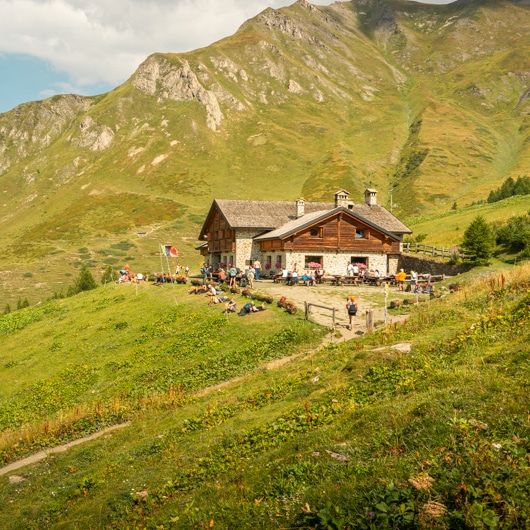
{"x": 332, "y": 262}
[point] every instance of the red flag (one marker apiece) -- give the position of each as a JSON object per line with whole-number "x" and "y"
{"x": 170, "y": 251}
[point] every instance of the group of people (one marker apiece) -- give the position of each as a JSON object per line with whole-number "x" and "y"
{"x": 249, "y": 307}
{"x": 127, "y": 276}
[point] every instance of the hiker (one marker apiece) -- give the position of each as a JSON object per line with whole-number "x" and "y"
{"x": 250, "y": 277}
{"x": 221, "y": 275}
{"x": 401, "y": 276}
{"x": 232, "y": 272}
{"x": 257, "y": 268}
{"x": 218, "y": 300}
{"x": 351, "y": 306}
{"x": 230, "y": 306}
{"x": 247, "y": 308}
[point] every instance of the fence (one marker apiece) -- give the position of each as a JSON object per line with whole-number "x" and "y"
{"x": 435, "y": 252}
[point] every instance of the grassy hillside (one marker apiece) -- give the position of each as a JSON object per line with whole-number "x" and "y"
{"x": 430, "y": 101}
{"x": 353, "y": 435}
{"x": 446, "y": 229}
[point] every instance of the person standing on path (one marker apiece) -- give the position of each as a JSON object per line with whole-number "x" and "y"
{"x": 351, "y": 307}
{"x": 257, "y": 268}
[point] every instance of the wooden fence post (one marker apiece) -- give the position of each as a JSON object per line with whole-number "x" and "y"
{"x": 369, "y": 320}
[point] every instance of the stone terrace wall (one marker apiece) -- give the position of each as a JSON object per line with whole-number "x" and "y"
{"x": 425, "y": 266}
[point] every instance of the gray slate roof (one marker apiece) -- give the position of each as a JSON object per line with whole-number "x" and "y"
{"x": 281, "y": 215}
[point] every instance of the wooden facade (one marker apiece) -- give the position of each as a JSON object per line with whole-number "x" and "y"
{"x": 221, "y": 238}
{"x": 340, "y": 232}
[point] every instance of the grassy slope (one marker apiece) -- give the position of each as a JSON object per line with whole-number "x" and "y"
{"x": 355, "y": 435}
{"x": 446, "y": 229}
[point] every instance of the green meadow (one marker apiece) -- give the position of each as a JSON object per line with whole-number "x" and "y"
{"x": 218, "y": 431}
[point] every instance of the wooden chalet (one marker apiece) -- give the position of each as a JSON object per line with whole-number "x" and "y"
{"x": 283, "y": 234}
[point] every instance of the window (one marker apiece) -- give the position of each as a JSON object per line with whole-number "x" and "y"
{"x": 279, "y": 262}
{"x": 359, "y": 234}
{"x": 361, "y": 262}
{"x": 313, "y": 262}
{"x": 315, "y": 232}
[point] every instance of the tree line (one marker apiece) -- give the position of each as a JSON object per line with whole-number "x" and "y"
{"x": 509, "y": 188}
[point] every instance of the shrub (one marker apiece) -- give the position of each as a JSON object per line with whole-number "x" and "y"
{"x": 109, "y": 276}
{"x": 515, "y": 234}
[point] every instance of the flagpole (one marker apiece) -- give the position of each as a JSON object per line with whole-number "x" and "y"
{"x": 160, "y": 247}
{"x": 169, "y": 269}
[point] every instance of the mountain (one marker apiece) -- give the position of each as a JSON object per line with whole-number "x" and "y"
{"x": 430, "y": 101}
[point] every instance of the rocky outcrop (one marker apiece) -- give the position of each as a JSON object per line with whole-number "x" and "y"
{"x": 158, "y": 77}
{"x": 94, "y": 135}
{"x": 34, "y": 126}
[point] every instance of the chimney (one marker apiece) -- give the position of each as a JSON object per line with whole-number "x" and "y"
{"x": 300, "y": 207}
{"x": 342, "y": 199}
{"x": 370, "y": 197}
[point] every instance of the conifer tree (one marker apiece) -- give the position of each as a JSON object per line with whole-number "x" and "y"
{"x": 479, "y": 242}
{"x": 85, "y": 281}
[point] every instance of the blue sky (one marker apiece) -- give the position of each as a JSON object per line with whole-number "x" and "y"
{"x": 89, "y": 47}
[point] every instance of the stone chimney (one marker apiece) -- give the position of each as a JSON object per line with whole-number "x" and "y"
{"x": 300, "y": 207}
{"x": 342, "y": 199}
{"x": 370, "y": 197}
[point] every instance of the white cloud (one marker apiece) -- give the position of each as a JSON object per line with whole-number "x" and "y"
{"x": 102, "y": 41}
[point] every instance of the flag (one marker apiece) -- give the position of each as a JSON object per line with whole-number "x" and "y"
{"x": 170, "y": 251}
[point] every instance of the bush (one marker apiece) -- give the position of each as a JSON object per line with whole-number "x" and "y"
{"x": 109, "y": 276}
{"x": 515, "y": 234}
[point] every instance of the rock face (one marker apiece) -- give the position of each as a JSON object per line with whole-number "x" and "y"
{"x": 94, "y": 135}
{"x": 34, "y": 126}
{"x": 157, "y": 76}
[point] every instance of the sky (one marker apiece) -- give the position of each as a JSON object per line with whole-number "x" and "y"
{"x": 90, "y": 47}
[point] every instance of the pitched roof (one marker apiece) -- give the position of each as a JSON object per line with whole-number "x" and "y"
{"x": 273, "y": 215}
{"x": 266, "y": 215}
{"x": 309, "y": 219}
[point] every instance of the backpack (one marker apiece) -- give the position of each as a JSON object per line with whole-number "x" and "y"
{"x": 352, "y": 308}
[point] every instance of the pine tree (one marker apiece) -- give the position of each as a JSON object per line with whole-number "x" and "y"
{"x": 479, "y": 242}
{"x": 85, "y": 281}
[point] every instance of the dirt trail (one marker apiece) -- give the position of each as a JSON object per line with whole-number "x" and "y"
{"x": 41, "y": 455}
{"x": 331, "y": 296}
